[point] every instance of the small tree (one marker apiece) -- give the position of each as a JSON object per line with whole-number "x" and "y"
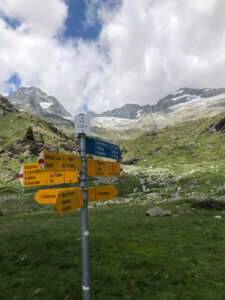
{"x": 29, "y": 133}
{"x": 42, "y": 138}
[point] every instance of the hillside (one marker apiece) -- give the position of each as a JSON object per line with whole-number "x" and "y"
{"x": 178, "y": 171}
{"x": 16, "y": 148}
{"x": 189, "y": 143}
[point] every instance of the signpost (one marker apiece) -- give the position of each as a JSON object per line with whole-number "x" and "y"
{"x": 84, "y": 218}
{"x": 102, "y": 148}
{"x": 55, "y": 168}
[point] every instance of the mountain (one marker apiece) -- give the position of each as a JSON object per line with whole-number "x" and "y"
{"x": 128, "y": 111}
{"x": 181, "y": 106}
{"x": 35, "y": 101}
{"x": 16, "y": 146}
{"x": 183, "y": 95}
{"x": 130, "y": 120}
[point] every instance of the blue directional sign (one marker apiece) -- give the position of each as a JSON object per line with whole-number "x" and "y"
{"x": 102, "y": 148}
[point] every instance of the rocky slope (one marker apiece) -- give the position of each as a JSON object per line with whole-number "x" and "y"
{"x": 6, "y": 107}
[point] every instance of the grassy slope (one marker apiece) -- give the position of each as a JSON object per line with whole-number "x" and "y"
{"x": 182, "y": 135}
{"x": 13, "y": 128}
{"x": 183, "y": 149}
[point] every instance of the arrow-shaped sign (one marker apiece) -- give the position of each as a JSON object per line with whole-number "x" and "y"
{"x": 56, "y": 162}
{"x": 68, "y": 200}
{"x": 102, "y": 148}
{"x": 65, "y": 200}
{"x": 101, "y": 193}
{"x": 46, "y": 196}
{"x": 96, "y": 167}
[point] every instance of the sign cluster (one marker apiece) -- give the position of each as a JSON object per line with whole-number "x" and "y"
{"x": 55, "y": 168}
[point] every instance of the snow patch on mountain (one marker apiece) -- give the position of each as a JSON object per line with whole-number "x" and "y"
{"x": 112, "y": 122}
{"x": 69, "y": 118}
{"x": 188, "y": 97}
{"x": 45, "y": 105}
{"x": 196, "y": 101}
{"x": 178, "y": 92}
{"x": 139, "y": 113}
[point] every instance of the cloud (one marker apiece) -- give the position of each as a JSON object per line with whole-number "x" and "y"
{"x": 145, "y": 50}
{"x": 39, "y": 16}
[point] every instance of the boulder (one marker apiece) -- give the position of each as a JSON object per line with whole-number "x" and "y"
{"x": 157, "y": 211}
{"x": 130, "y": 161}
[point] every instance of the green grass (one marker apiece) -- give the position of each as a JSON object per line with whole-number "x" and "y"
{"x": 132, "y": 256}
{"x": 178, "y": 146}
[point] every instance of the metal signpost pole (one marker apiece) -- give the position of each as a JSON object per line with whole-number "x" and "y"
{"x": 84, "y": 220}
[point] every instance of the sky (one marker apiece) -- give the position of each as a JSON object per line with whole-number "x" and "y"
{"x": 98, "y": 55}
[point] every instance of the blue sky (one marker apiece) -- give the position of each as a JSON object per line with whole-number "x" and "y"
{"x": 76, "y": 26}
{"x": 102, "y": 54}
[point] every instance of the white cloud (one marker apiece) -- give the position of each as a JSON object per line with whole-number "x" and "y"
{"x": 40, "y": 16}
{"x": 145, "y": 50}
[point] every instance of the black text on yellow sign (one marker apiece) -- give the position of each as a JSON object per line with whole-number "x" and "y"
{"x": 101, "y": 193}
{"x": 102, "y": 168}
{"x": 32, "y": 175}
{"x": 70, "y": 199}
{"x": 52, "y": 162}
{"x": 65, "y": 199}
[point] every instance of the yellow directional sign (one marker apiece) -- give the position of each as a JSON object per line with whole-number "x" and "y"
{"x": 96, "y": 167}
{"x": 46, "y": 196}
{"x": 31, "y": 169}
{"x": 101, "y": 193}
{"x": 70, "y": 176}
{"x": 68, "y": 200}
{"x": 91, "y": 194}
{"x": 53, "y": 162}
{"x": 28, "y": 170}
{"x": 47, "y": 178}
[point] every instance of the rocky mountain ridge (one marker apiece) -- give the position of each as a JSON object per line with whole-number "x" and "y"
{"x": 183, "y": 95}
{"x": 34, "y": 101}
{"x": 182, "y": 106}
{"x": 130, "y": 120}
